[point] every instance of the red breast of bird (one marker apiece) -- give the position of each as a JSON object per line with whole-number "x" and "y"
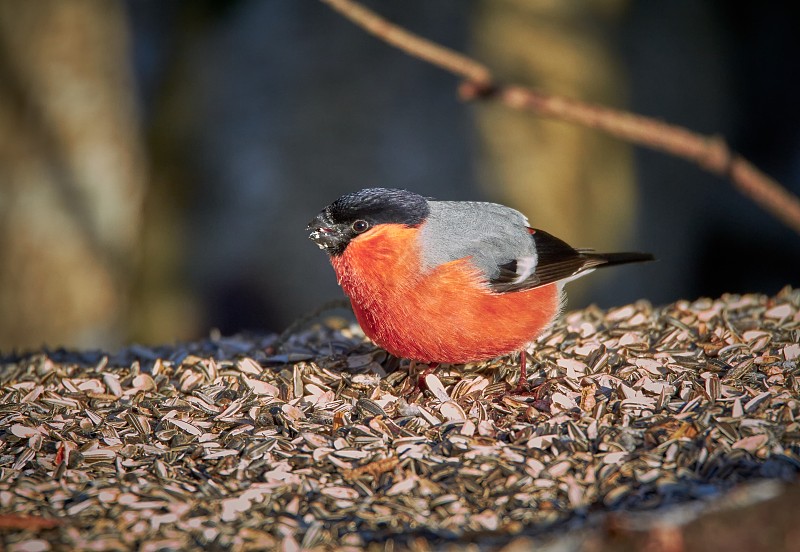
{"x": 448, "y": 281}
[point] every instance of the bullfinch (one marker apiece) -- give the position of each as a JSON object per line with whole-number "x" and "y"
{"x": 449, "y": 281}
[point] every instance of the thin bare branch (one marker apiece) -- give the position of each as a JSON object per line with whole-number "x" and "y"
{"x": 410, "y": 43}
{"x": 709, "y": 152}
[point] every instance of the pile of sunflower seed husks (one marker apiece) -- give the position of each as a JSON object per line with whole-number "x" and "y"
{"x": 321, "y": 441}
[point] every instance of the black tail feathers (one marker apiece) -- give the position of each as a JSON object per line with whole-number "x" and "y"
{"x": 612, "y": 259}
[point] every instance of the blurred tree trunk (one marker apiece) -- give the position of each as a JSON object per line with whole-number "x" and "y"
{"x": 72, "y": 173}
{"x": 571, "y": 181}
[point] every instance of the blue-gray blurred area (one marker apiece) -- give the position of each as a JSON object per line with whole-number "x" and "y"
{"x": 253, "y": 115}
{"x": 286, "y": 106}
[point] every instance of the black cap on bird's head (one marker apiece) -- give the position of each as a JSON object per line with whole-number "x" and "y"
{"x": 356, "y": 212}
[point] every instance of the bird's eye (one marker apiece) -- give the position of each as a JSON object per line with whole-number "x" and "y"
{"x": 360, "y": 226}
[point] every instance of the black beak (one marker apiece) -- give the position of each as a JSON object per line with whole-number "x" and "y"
{"x": 322, "y": 232}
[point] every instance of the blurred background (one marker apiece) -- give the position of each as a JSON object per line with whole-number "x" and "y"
{"x": 159, "y": 160}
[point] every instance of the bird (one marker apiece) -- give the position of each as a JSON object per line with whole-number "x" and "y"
{"x": 449, "y": 281}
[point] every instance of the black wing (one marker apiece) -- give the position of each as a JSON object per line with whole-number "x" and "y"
{"x": 555, "y": 260}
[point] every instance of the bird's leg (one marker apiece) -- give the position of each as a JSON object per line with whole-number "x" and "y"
{"x": 522, "y": 382}
{"x": 538, "y": 393}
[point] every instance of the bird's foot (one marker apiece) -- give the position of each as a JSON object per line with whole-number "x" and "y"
{"x": 522, "y": 382}
{"x": 524, "y": 388}
{"x": 421, "y": 385}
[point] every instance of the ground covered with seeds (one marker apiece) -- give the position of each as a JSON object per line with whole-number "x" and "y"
{"x": 320, "y": 441}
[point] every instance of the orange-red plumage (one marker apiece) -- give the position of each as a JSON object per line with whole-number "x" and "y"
{"x": 448, "y": 281}
{"x": 446, "y": 315}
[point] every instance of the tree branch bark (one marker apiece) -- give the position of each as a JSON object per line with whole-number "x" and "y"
{"x": 709, "y": 152}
